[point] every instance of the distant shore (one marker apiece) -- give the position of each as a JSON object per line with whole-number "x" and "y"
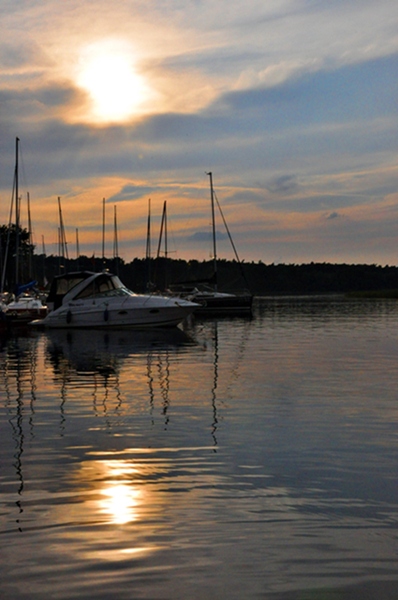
{"x": 260, "y": 278}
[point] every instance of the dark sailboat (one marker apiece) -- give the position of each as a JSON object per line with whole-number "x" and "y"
{"x": 212, "y": 301}
{"x": 23, "y": 304}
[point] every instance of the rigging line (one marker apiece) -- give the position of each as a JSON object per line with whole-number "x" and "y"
{"x": 163, "y": 226}
{"x": 226, "y": 227}
{"x": 231, "y": 240}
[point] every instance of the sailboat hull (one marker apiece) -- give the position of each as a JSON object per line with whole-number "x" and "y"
{"x": 217, "y": 303}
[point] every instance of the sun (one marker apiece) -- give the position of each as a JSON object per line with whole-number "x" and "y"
{"x": 106, "y": 72}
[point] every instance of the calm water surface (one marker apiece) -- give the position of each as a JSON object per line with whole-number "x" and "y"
{"x": 231, "y": 459}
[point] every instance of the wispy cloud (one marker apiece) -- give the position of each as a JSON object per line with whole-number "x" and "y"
{"x": 130, "y": 192}
{"x": 285, "y": 184}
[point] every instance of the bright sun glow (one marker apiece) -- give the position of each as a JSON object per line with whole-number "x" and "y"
{"x": 107, "y": 74}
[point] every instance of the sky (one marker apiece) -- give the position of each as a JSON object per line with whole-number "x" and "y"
{"x": 291, "y": 104}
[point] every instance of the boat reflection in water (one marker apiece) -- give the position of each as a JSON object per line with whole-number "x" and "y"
{"x": 94, "y": 360}
{"x": 101, "y": 350}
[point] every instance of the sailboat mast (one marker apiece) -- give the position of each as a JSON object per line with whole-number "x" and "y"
{"x": 16, "y": 213}
{"x": 77, "y": 248}
{"x": 148, "y": 250}
{"x": 163, "y": 225}
{"x": 114, "y": 232}
{"x": 115, "y": 241}
{"x": 166, "y": 250}
{"x": 77, "y": 244}
{"x": 44, "y": 260}
{"x": 30, "y": 238}
{"x": 148, "y": 233}
{"x": 103, "y": 229}
{"x": 213, "y": 219}
{"x": 63, "y": 247}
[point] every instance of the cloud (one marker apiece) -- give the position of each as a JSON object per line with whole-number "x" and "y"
{"x": 131, "y": 192}
{"x": 359, "y": 91}
{"x": 316, "y": 203}
{"x": 245, "y": 196}
{"x": 285, "y": 184}
{"x": 13, "y": 56}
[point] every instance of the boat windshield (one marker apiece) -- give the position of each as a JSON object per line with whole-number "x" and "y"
{"x": 63, "y": 285}
{"x": 104, "y": 286}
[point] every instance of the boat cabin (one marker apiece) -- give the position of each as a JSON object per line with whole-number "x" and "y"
{"x": 100, "y": 284}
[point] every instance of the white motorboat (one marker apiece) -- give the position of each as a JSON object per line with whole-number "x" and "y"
{"x": 20, "y": 312}
{"x": 88, "y": 300}
{"x": 26, "y": 307}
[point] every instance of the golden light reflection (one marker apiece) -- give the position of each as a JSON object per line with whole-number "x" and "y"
{"x": 106, "y": 71}
{"x": 121, "y": 494}
{"x": 120, "y": 503}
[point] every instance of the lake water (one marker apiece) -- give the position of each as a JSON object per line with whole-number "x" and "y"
{"x": 235, "y": 458}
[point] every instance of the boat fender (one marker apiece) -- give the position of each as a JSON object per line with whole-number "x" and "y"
{"x": 106, "y": 315}
{"x": 69, "y": 316}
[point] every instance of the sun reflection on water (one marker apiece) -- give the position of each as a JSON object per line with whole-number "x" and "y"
{"x": 121, "y": 495}
{"x": 121, "y": 502}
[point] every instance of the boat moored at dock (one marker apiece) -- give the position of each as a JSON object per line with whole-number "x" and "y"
{"x": 85, "y": 299}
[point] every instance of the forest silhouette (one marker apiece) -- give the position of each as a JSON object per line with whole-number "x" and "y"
{"x": 159, "y": 274}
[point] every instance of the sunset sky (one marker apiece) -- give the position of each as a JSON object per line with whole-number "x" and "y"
{"x": 292, "y": 104}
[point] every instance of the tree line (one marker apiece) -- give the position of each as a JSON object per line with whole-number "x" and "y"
{"x": 142, "y": 274}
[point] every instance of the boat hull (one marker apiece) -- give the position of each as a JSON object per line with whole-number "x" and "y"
{"x": 100, "y": 315}
{"x": 87, "y": 300}
{"x": 11, "y": 319}
{"x": 219, "y": 304}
